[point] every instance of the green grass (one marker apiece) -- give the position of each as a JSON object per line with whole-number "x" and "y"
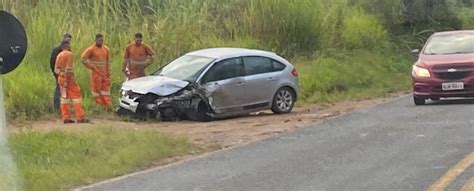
{"x": 467, "y": 16}
{"x": 61, "y": 159}
{"x": 341, "y": 51}
{"x": 351, "y": 75}
{"x": 292, "y": 28}
{"x": 295, "y": 29}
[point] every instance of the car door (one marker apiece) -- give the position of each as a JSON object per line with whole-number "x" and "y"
{"x": 262, "y": 81}
{"x": 225, "y": 83}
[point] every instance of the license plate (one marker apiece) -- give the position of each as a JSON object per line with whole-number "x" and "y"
{"x": 453, "y": 86}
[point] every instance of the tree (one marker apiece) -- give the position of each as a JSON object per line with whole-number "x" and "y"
{"x": 434, "y": 14}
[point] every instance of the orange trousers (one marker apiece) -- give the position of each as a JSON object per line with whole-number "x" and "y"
{"x": 100, "y": 87}
{"x": 71, "y": 96}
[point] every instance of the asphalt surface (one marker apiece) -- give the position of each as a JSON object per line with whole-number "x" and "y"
{"x": 392, "y": 146}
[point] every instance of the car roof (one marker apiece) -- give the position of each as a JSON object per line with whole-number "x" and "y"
{"x": 223, "y": 53}
{"x": 453, "y": 32}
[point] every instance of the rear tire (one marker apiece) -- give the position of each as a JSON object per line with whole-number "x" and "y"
{"x": 283, "y": 101}
{"x": 419, "y": 101}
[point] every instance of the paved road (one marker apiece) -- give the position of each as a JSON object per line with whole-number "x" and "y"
{"x": 392, "y": 146}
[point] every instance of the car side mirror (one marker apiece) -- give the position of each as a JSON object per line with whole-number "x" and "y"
{"x": 415, "y": 52}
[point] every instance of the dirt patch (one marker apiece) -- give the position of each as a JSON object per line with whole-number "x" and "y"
{"x": 228, "y": 132}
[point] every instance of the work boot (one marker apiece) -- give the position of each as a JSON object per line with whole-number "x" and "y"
{"x": 68, "y": 121}
{"x": 83, "y": 121}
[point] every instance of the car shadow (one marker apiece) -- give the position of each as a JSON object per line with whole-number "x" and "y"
{"x": 247, "y": 115}
{"x": 451, "y": 101}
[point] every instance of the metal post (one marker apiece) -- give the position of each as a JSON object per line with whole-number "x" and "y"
{"x": 9, "y": 177}
{"x": 2, "y": 109}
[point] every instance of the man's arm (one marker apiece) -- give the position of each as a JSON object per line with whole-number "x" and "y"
{"x": 60, "y": 66}
{"x": 85, "y": 58}
{"x": 52, "y": 59}
{"x": 151, "y": 56}
{"x": 126, "y": 61}
{"x": 109, "y": 67}
{"x": 68, "y": 60}
{"x": 57, "y": 65}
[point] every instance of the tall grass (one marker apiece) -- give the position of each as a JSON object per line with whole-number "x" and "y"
{"x": 356, "y": 75}
{"x": 292, "y": 28}
{"x": 467, "y": 17}
{"x": 363, "y": 31}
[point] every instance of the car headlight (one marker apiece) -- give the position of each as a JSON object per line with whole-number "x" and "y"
{"x": 124, "y": 92}
{"x": 420, "y": 72}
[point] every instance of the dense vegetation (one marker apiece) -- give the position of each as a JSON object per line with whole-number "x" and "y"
{"x": 342, "y": 48}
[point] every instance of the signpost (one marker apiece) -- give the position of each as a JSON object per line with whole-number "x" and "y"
{"x": 13, "y": 45}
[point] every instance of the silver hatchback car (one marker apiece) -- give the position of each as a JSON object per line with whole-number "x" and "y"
{"x": 213, "y": 83}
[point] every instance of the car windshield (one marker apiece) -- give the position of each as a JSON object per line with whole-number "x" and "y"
{"x": 450, "y": 44}
{"x": 187, "y": 68}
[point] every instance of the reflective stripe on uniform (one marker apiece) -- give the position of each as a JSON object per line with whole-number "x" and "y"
{"x": 65, "y": 69}
{"x": 142, "y": 62}
{"x": 104, "y": 93}
{"x": 66, "y": 101}
{"x": 76, "y": 100}
{"x": 95, "y": 94}
{"x": 96, "y": 63}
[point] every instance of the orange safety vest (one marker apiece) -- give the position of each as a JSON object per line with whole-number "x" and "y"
{"x": 70, "y": 90}
{"x": 64, "y": 69}
{"x": 136, "y": 57}
{"x": 97, "y": 58}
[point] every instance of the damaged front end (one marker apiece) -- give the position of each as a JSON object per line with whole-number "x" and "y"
{"x": 189, "y": 102}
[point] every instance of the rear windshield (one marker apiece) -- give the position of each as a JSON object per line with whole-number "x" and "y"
{"x": 450, "y": 44}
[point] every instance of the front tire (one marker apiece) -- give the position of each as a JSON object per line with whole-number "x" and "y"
{"x": 122, "y": 112}
{"x": 200, "y": 114}
{"x": 419, "y": 101}
{"x": 283, "y": 101}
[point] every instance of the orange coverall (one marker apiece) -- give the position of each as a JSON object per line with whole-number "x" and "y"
{"x": 97, "y": 59}
{"x": 136, "y": 57}
{"x": 70, "y": 90}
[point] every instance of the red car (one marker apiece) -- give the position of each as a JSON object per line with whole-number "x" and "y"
{"x": 445, "y": 67}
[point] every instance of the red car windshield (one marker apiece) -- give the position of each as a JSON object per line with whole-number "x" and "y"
{"x": 450, "y": 44}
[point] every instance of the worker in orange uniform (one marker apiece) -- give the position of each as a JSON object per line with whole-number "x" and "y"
{"x": 96, "y": 58}
{"x": 137, "y": 57}
{"x": 70, "y": 90}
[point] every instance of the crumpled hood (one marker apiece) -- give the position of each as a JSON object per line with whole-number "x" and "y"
{"x": 159, "y": 85}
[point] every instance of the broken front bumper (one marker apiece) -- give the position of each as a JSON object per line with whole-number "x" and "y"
{"x": 129, "y": 104}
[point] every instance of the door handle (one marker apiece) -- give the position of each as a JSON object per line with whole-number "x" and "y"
{"x": 240, "y": 84}
{"x": 213, "y": 86}
{"x": 271, "y": 79}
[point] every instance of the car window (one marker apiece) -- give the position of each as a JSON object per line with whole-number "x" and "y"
{"x": 257, "y": 65}
{"x": 278, "y": 66}
{"x": 450, "y": 44}
{"x": 225, "y": 69}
